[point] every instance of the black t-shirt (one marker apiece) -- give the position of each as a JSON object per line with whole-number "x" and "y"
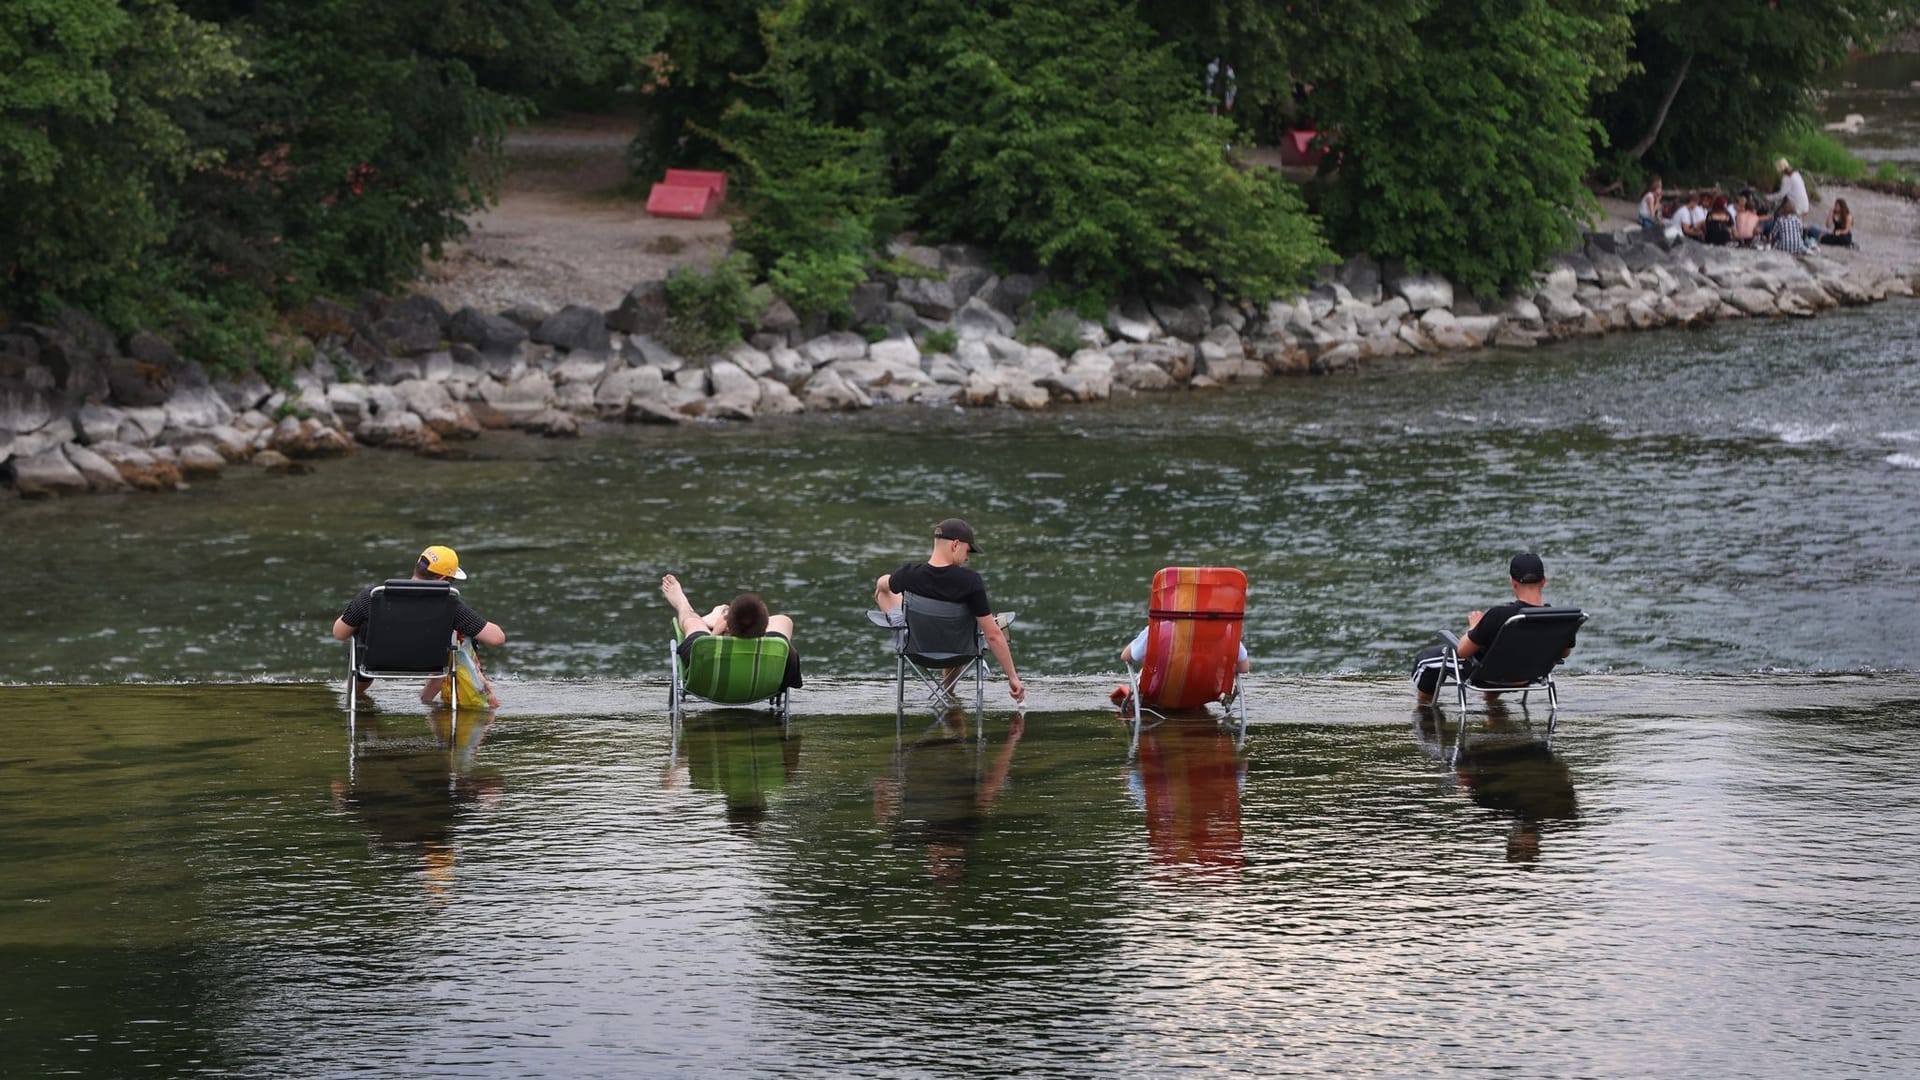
{"x": 1495, "y": 617}
{"x": 955, "y": 584}
{"x": 466, "y": 620}
{"x": 1718, "y": 228}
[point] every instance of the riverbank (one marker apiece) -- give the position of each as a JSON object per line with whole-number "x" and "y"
{"x": 535, "y": 322}
{"x": 79, "y": 412}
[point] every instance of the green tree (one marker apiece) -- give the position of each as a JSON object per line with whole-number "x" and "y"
{"x": 1462, "y": 145}
{"x": 1064, "y": 134}
{"x": 95, "y": 104}
{"x": 1711, "y": 84}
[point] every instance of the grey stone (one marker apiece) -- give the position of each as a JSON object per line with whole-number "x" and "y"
{"x": 621, "y": 388}
{"x": 1751, "y": 301}
{"x": 977, "y": 319}
{"x": 643, "y": 310}
{"x": 776, "y": 399}
{"x": 1361, "y": 277}
{"x": 575, "y": 328}
{"x": 1012, "y": 292}
{"x": 826, "y": 391}
{"x": 409, "y": 331}
{"x": 197, "y": 408}
{"x": 527, "y": 316}
{"x": 487, "y": 333}
{"x": 896, "y": 350}
{"x": 942, "y": 368}
{"x": 200, "y": 460}
{"x": 243, "y": 393}
{"x": 525, "y": 397}
{"x": 1579, "y": 265}
{"x": 653, "y": 352}
{"x": 925, "y": 257}
{"x": 24, "y": 407}
{"x": 46, "y": 473}
{"x": 1422, "y": 291}
{"x": 789, "y": 366}
{"x": 98, "y": 471}
{"x": 932, "y": 298}
{"x": 828, "y": 348}
{"x": 749, "y": 359}
{"x": 1183, "y": 318}
{"x": 579, "y": 368}
{"x": 135, "y": 383}
{"x": 1132, "y": 320}
{"x": 868, "y": 301}
{"x": 98, "y": 423}
{"x": 778, "y": 317}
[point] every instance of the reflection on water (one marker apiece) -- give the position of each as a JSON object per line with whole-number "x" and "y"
{"x": 1504, "y": 764}
{"x": 1703, "y": 877}
{"x": 1188, "y": 778}
{"x": 743, "y": 755}
{"x": 405, "y": 786}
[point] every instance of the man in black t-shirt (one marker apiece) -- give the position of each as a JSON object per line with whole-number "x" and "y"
{"x": 944, "y": 576}
{"x": 437, "y": 563}
{"x": 1529, "y": 576}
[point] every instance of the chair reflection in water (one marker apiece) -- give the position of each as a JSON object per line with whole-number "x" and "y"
{"x": 1519, "y": 660}
{"x": 943, "y": 787}
{"x": 408, "y": 792}
{"x": 1193, "y": 656}
{"x": 1188, "y": 778}
{"x": 1507, "y": 768}
{"x": 738, "y": 755}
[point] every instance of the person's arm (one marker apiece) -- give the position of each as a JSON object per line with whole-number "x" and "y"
{"x": 883, "y": 593}
{"x": 342, "y": 629}
{"x": 491, "y": 636}
{"x": 1468, "y": 646}
{"x": 997, "y": 644}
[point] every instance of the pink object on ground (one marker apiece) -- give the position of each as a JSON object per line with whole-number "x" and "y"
{"x": 715, "y": 182}
{"x": 1296, "y": 147}
{"x": 675, "y": 201}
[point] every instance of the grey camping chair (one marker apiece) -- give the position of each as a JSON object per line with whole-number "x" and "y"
{"x": 934, "y": 638}
{"x": 408, "y": 635}
{"x": 1519, "y": 660}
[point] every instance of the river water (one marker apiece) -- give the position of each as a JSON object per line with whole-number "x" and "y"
{"x": 1708, "y": 873}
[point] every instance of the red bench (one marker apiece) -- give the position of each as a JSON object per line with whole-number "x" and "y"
{"x": 688, "y": 193}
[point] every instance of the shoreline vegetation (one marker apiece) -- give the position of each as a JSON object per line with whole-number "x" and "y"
{"x": 212, "y": 207}
{"x": 80, "y": 411}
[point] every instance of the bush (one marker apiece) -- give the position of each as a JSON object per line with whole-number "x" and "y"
{"x": 705, "y": 307}
{"x": 1818, "y": 153}
{"x": 1058, "y": 330}
{"x": 940, "y": 341}
{"x": 817, "y": 282}
{"x": 1062, "y": 134}
{"x": 874, "y": 333}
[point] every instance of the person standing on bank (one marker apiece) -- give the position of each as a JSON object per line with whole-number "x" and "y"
{"x": 1529, "y": 580}
{"x": 437, "y": 563}
{"x": 944, "y": 576}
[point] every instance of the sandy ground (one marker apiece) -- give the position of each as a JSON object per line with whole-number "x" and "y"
{"x": 568, "y": 230}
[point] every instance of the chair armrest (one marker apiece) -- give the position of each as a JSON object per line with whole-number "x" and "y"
{"x": 1448, "y": 638}
{"x": 879, "y": 619}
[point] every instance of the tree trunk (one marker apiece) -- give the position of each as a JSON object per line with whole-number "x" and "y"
{"x": 1660, "y": 116}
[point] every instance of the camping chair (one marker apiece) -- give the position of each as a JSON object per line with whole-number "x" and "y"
{"x": 1520, "y": 659}
{"x": 408, "y": 635}
{"x": 729, "y": 671}
{"x": 937, "y": 637}
{"x": 1194, "y": 618}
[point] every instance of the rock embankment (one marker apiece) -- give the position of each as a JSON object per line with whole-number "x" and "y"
{"x": 80, "y": 411}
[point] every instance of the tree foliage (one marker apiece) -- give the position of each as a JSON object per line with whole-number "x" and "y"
{"x": 1065, "y": 134}
{"x": 1712, "y": 84}
{"x": 1464, "y": 148}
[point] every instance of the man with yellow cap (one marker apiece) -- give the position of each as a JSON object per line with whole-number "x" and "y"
{"x": 437, "y": 563}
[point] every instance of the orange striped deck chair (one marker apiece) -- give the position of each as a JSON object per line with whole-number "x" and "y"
{"x": 1194, "y": 617}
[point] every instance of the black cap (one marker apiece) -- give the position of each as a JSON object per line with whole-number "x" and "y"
{"x": 1527, "y": 569}
{"x": 955, "y": 529}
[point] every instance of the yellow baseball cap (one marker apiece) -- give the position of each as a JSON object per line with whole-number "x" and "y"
{"x": 441, "y": 560}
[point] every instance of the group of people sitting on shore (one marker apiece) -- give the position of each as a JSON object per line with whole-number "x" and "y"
{"x": 1776, "y": 221}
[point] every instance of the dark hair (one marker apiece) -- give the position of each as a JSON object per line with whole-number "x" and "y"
{"x": 747, "y": 616}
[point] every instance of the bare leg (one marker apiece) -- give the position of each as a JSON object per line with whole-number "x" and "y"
{"x": 690, "y": 620}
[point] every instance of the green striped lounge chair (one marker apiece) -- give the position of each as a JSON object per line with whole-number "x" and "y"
{"x": 729, "y": 671}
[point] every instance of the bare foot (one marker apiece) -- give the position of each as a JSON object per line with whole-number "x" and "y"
{"x": 670, "y": 588}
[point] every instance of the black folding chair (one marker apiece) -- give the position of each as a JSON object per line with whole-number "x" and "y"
{"x": 936, "y": 638}
{"x": 1519, "y": 660}
{"x": 408, "y": 635}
